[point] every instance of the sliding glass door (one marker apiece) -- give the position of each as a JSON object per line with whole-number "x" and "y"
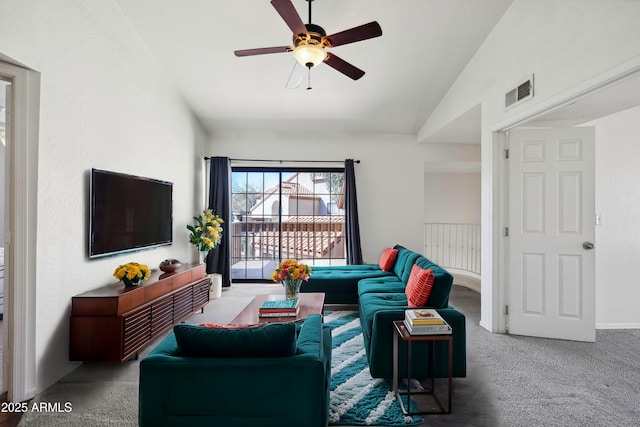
{"x": 285, "y": 213}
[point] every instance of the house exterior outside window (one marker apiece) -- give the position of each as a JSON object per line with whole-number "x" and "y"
{"x": 282, "y": 214}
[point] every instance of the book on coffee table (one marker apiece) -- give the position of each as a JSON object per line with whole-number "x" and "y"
{"x": 278, "y": 306}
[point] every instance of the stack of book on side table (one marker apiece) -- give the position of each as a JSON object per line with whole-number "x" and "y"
{"x": 425, "y": 321}
{"x": 278, "y": 306}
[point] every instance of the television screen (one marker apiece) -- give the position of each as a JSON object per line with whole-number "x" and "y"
{"x": 128, "y": 213}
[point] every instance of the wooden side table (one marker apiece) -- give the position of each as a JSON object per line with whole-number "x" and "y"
{"x": 399, "y": 331}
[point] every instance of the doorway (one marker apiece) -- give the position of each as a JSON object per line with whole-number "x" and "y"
{"x": 21, "y": 173}
{"x": 616, "y": 95}
{"x": 5, "y": 97}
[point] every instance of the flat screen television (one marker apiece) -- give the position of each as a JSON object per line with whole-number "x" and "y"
{"x": 128, "y": 213}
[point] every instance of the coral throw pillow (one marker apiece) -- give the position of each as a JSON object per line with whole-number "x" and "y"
{"x": 419, "y": 286}
{"x": 388, "y": 259}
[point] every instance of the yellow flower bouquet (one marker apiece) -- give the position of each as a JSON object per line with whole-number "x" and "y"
{"x": 207, "y": 231}
{"x": 132, "y": 273}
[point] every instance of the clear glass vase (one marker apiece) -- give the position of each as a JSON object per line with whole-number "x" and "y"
{"x": 203, "y": 256}
{"x": 291, "y": 288}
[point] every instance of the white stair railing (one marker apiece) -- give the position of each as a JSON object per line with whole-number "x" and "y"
{"x": 453, "y": 245}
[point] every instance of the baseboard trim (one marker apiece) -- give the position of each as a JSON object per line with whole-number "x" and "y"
{"x": 466, "y": 279}
{"x": 484, "y": 325}
{"x": 617, "y": 325}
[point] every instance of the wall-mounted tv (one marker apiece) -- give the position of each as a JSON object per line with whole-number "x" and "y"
{"x": 128, "y": 213}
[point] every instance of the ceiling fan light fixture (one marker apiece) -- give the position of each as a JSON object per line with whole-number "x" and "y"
{"x": 310, "y": 55}
{"x": 310, "y": 41}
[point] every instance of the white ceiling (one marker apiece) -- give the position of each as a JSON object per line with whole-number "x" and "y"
{"x": 424, "y": 46}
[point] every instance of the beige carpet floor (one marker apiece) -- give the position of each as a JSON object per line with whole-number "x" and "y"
{"x": 511, "y": 380}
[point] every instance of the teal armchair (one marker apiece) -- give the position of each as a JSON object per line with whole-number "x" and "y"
{"x": 239, "y": 391}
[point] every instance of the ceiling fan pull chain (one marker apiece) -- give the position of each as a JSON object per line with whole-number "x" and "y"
{"x": 309, "y": 80}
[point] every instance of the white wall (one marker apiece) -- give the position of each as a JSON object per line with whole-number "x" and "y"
{"x": 389, "y": 179}
{"x": 452, "y": 198}
{"x": 570, "y": 46}
{"x": 618, "y": 201}
{"x": 452, "y": 183}
{"x": 106, "y": 104}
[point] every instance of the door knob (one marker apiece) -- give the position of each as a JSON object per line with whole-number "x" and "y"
{"x": 587, "y": 245}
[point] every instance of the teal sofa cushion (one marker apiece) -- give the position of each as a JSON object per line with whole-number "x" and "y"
{"x": 381, "y": 284}
{"x": 270, "y": 340}
{"x": 353, "y": 268}
{"x": 442, "y": 283}
{"x": 405, "y": 260}
{"x": 340, "y": 283}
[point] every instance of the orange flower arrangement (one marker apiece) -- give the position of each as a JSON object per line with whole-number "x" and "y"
{"x": 291, "y": 269}
{"x": 291, "y": 273}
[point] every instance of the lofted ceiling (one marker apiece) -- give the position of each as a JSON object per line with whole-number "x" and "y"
{"x": 610, "y": 99}
{"x": 424, "y": 46}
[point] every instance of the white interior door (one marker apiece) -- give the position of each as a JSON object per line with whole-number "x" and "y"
{"x": 551, "y": 286}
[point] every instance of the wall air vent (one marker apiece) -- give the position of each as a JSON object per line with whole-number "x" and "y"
{"x": 519, "y": 94}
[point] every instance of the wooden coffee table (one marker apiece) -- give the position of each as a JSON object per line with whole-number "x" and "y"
{"x": 310, "y": 303}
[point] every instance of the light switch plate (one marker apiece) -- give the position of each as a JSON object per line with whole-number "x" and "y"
{"x": 598, "y": 219}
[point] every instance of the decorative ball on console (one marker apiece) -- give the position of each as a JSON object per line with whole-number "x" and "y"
{"x": 170, "y": 265}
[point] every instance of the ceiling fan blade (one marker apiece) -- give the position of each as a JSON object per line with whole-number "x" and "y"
{"x": 296, "y": 76}
{"x": 343, "y": 66}
{"x": 288, "y": 12}
{"x": 263, "y": 51}
{"x": 355, "y": 34}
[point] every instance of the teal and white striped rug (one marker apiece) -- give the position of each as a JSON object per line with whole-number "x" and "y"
{"x": 356, "y": 397}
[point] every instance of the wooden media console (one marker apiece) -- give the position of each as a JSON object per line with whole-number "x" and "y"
{"x": 113, "y": 323}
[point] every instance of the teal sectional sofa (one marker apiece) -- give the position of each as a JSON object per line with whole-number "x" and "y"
{"x": 381, "y": 299}
{"x": 340, "y": 283}
{"x": 240, "y": 390}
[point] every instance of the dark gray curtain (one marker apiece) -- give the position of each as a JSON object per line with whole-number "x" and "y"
{"x": 219, "y": 259}
{"x": 354, "y": 249}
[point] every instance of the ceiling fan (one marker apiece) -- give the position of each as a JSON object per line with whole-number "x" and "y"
{"x": 310, "y": 42}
